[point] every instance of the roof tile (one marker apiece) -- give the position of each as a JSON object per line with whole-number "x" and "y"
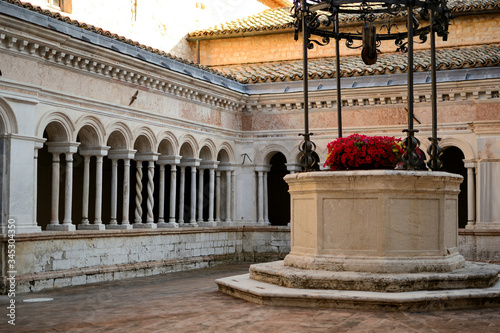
{"x": 324, "y": 68}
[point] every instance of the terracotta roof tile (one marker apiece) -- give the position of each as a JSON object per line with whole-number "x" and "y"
{"x": 275, "y": 19}
{"x": 324, "y": 68}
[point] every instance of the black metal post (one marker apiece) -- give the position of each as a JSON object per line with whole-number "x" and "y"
{"x": 411, "y": 158}
{"x": 434, "y": 150}
{"x": 337, "y": 56}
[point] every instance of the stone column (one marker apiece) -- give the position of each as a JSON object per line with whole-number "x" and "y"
{"x": 211, "y": 166}
{"x": 471, "y": 195}
{"x": 228, "y": 196}
{"x": 173, "y": 161}
{"x": 38, "y": 145}
{"x": 57, "y": 148}
{"x": 217, "y": 196}
{"x": 98, "y": 193}
{"x": 68, "y": 190}
{"x": 261, "y": 197}
{"x": 192, "y": 219}
{"x": 182, "y": 188}
{"x": 150, "y": 157}
{"x": 211, "y": 193}
{"x": 161, "y": 199}
{"x": 233, "y": 194}
{"x": 125, "y": 155}
{"x": 85, "y": 191}
{"x": 266, "y": 199}
{"x": 114, "y": 191}
{"x": 200, "y": 195}
{"x": 54, "y": 207}
{"x": 99, "y": 153}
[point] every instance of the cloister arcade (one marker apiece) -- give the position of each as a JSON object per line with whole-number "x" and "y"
{"x": 90, "y": 177}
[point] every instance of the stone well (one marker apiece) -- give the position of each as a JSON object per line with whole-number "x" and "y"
{"x": 361, "y": 235}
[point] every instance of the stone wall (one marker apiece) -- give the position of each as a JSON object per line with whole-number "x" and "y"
{"x": 59, "y": 259}
{"x": 465, "y": 30}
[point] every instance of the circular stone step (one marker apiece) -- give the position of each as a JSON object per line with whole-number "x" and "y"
{"x": 473, "y": 275}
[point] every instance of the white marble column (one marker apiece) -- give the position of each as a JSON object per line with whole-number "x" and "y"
{"x": 68, "y": 190}
{"x": 68, "y": 149}
{"x": 115, "y": 155}
{"x": 85, "y": 191}
{"x": 150, "y": 157}
{"x": 98, "y": 193}
{"x": 471, "y": 195}
{"x": 211, "y": 193}
{"x": 266, "y": 199}
{"x": 261, "y": 197}
{"x": 200, "y": 195}
{"x": 233, "y": 194}
{"x": 126, "y": 194}
{"x": 192, "y": 219}
{"x": 182, "y": 191}
{"x": 114, "y": 191}
{"x": 38, "y": 145}
{"x": 161, "y": 197}
{"x": 210, "y": 166}
{"x": 54, "y": 207}
{"x": 173, "y": 189}
{"x": 138, "y": 195}
{"x": 99, "y": 153}
{"x": 228, "y": 196}
{"x": 217, "y": 196}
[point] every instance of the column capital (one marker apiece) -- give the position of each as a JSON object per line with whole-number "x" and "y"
{"x": 63, "y": 147}
{"x": 94, "y": 151}
{"x": 39, "y": 143}
{"x": 293, "y": 167}
{"x": 263, "y": 167}
{"x": 169, "y": 159}
{"x": 149, "y": 156}
{"x": 209, "y": 164}
{"x": 121, "y": 154}
{"x": 190, "y": 162}
{"x": 225, "y": 167}
{"x": 469, "y": 164}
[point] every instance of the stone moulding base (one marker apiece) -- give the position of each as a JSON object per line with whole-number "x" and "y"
{"x": 376, "y": 265}
{"x": 473, "y": 275}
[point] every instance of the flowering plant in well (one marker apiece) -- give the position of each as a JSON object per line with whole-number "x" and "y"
{"x": 363, "y": 152}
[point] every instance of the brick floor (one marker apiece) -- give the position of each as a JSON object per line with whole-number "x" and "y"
{"x": 189, "y": 302}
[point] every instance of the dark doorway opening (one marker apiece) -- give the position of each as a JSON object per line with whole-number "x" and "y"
{"x": 452, "y": 159}
{"x": 278, "y": 196}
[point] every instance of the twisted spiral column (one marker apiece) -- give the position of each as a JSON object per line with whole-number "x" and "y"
{"x": 138, "y": 193}
{"x": 151, "y": 190}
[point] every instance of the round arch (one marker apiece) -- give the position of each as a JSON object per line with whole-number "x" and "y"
{"x": 168, "y": 144}
{"x": 460, "y": 144}
{"x": 93, "y": 131}
{"x": 207, "y": 151}
{"x": 188, "y": 141}
{"x": 116, "y": 131}
{"x": 7, "y": 118}
{"x": 59, "y": 127}
{"x": 145, "y": 141}
{"x": 268, "y": 152}
{"x": 226, "y": 153}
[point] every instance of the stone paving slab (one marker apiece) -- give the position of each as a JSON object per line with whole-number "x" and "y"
{"x": 189, "y": 302}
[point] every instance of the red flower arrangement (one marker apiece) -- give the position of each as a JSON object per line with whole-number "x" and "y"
{"x": 364, "y": 152}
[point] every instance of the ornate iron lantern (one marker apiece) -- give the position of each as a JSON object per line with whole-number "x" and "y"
{"x": 320, "y": 18}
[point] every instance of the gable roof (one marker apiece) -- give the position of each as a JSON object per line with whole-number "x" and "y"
{"x": 389, "y": 63}
{"x": 280, "y": 19}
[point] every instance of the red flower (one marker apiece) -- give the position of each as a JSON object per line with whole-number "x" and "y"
{"x": 363, "y": 152}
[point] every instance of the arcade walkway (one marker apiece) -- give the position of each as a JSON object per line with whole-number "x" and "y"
{"x": 189, "y": 302}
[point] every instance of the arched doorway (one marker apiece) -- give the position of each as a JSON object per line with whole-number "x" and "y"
{"x": 278, "y": 196}
{"x": 452, "y": 159}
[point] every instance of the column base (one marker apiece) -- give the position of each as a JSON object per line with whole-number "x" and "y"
{"x": 91, "y": 227}
{"x": 119, "y": 226}
{"x": 144, "y": 226}
{"x": 61, "y": 227}
{"x": 207, "y": 224}
{"x": 167, "y": 225}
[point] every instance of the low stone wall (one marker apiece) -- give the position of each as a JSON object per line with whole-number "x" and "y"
{"x": 58, "y": 259}
{"x": 479, "y": 245}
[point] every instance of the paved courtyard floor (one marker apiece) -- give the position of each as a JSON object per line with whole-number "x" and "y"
{"x": 189, "y": 302}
